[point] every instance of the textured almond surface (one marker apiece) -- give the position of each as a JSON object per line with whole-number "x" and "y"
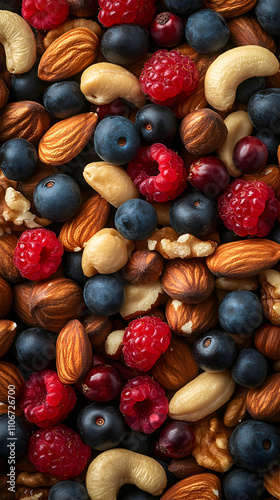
{"x": 205, "y": 486}
{"x": 263, "y": 403}
{"x": 6, "y": 297}
{"x": 10, "y": 376}
{"x": 25, "y": 119}
{"x": 8, "y": 331}
{"x": 230, "y": 8}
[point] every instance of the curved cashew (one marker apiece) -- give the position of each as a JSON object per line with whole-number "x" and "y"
{"x": 233, "y": 67}
{"x": 103, "y": 82}
{"x": 19, "y": 42}
{"x": 113, "y": 468}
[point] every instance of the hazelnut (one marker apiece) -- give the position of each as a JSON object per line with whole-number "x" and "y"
{"x": 203, "y": 131}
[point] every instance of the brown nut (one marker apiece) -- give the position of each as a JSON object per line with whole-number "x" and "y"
{"x": 97, "y": 328}
{"x": 185, "y": 467}
{"x": 171, "y": 245}
{"x": 8, "y": 270}
{"x": 263, "y": 403}
{"x": 246, "y": 30}
{"x": 270, "y": 174}
{"x": 6, "y": 298}
{"x": 205, "y": 486}
{"x": 140, "y": 300}
{"x": 230, "y": 8}
{"x": 11, "y": 380}
{"x": 267, "y": 340}
{"x": 4, "y": 93}
{"x": 54, "y": 33}
{"x": 25, "y": 119}
{"x": 270, "y": 295}
{"x": 203, "y": 131}
{"x": 143, "y": 267}
{"x": 236, "y": 409}
{"x": 271, "y": 481}
{"x": 8, "y": 331}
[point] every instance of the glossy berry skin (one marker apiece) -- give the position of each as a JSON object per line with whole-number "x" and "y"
{"x": 20, "y": 432}
{"x": 139, "y": 12}
{"x": 264, "y": 110}
{"x": 75, "y": 167}
{"x": 103, "y": 383}
{"x": 268, "y": 15}
{"x": 214, "y": 351}
{"x": 209, "y": 175}
{"x": 167, "y": 29}
{"x": 101, "y": 426}
{"x": 104, "y": 294}
{"x": 46, "y": 14}
{"x": 125, "y": 43}
{"x": 241, "y": 483}
{"x": 116, "y": 107}
{"x": 249, "y": 155}
{"x": 156, "y": 124}
{"x": 183, "y": 7}
{"x": 136, "y": 219}
{"x": 116, "y": 140}
{"x": 72, "y": 265}
{"x": 193, "y": 213}
{"x": 249, "y": 87}
{"x": 35, "y": 348}
{"x": 249, "y": 368}
{"x": 254, "y": 445}
{"x": 65, "y": 490}
{"x": 64, "y": 99}
{"x": 240, "y": 312}
{"x": 206, "y": 31}
{"x": 57, "y": 197}
{"x": 272, "y": 142}
{"x": 176, "y": 440}
{"x": 131, "y": 492}
{"x": 18, "y": 159}
{"x": 27, "y": 86}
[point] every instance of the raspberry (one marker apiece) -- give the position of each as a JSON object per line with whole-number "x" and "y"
{"x": 45, "y": 14}
{"x": 248, "y": 208}
{"x": 58, "y": 451}
{"x": 139, "y": 12}
{"x": 159, "y": 173}
{"x": 45, "y": 400}
{"x": 168, "y": 77}
{"x": 38, "y": 254}
{"x": 144, "y": 340}
{"x": 144, "y": 404}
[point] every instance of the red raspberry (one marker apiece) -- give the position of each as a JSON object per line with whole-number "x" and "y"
{"x": 159, "y": 173}
{"x": 45, "y": 14}
{"x": 168, "y": 77}
{"x": 248, "y": 208}
{"x": 38, "y": 254}
{"x": 58, "y": 451}
{"x": 45, "y": 400}
{"x": 144, "y": 404}
{"x": 144, "y": 340}
{"x": 139, "y": 12}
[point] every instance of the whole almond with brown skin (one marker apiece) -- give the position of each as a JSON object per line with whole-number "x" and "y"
{"x": 97, "y": 328}
{"x": 8, "y": 270}
{"x": 240, "y": 259}
{"x": 246, "y": 30}
{"x": 230, "y": 8}
{"x": 8, "y": 331}
{"x": 10, "y": 376}
{"x": 6, "y": 298}
{"x": 203, "y": 131}
{"x": 267, "y": 340}
{"x": 4, "y": 409}
{"x": 263, "y": 403}
{"x": 73, "y": 353}
{"x": 64, "y": 140}
{"x": 22, "y": 302}
{"x": 143, "y": 267}
{"x": 271, "y": 481}
{"x": 4, "y": 93}
{"x": 185, "y": 467}
{"x": 205, "y": 486}
{"x": 25, "y": 119}
{"x": 69, "y": 54}
{"x": 270, "y": 175}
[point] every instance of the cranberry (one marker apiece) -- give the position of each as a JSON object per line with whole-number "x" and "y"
{"x": 167, "y": 29}
{"x": 176, "y": 440}
{"x": 209, "y": 175}
{"x": 250, "y": 155}
{"x": 103, "y": 383}
{"x": 116, "y": 107}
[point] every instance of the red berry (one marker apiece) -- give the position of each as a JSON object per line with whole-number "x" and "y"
{"x": 159, "y": 173}
{"x": 45, "y": 400}
{"x": 176, "y": 440}
{"x": 248, "y": 208}
{"x": 144, "y": 340}
{"x": 167, "y": 29}
{"x": 45, "y": 14}
{"x": 58, "y": 451}
{"x": 116, "y": 107}
{"x": 209, "y": 175}
{"x": 38, "y": 254}
{"x": 144, "y": 404}
{"x": 103, "y": 383}
{"x": 249, "y": 155}
{"x": 139, "y": 12}
{"x": 168, "y": 77}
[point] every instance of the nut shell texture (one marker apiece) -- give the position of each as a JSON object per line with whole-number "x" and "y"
{"x": 203, "y": 131}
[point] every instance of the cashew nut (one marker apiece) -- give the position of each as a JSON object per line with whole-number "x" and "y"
{"x": 238, "y": 125}
{"x": 113, "y": 468}
{"x": 103, "y": 82}
{"x": 233, "y": 67}
{"x": 19, "y": 42}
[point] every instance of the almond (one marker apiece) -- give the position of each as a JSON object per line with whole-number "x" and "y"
{"x": 8, "y": 270}
{"x": 6, "y": 298}
{"x": 267, "y": 340}
{"x": 25, "y": 119}
{"x": 8, "y": 331}
{"x": 246, "y": 30}
{"x": 271, "y": 481}
{"x": 69, "y": 54}
{"x": 270, "y": 175}
{"x": 10, "y": 376}
{"x": 205, "y": 486}
{"x": 97, "y": 328}
{"x": 143, "y": 267}
{"x": 263, "y": 403}
{"x": 73, "y": 353}
{"x": 230, "y": 8}
{"x": 4, "y": 93}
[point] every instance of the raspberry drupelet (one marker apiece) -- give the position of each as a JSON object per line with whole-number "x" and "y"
{"x": 45, "y": 14}
{"x": 140, "y": 12}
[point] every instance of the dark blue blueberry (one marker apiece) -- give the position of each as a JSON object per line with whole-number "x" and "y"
{"x": 18, "y": 159}
{"x": 57, "y": 197}
{"x": 138, "y": 442}
{"x": 104, "y": 294}
{"x": 255, "y": 445}
{"x": 274, "y": 234}
{"x": 64, "y": 99}
{"x": 249, "y": 368}
{"x": 101, "y": 426}
{"x": 206, "y": 31}
{"x": 35, "y": 348}
{"x": 249, "y": 87}
{"x": 272, "y": 143}
{"x": 131, "y": 492}
{"x": 268, "y": 15}
{"x": 240, "y": 312}
{"x": 241, "y": 483}
{"x": 28, "y": 86}
{"x": 125, "y": 43}
{"x": 183, "y": 7}
{"x": 214, "y": 351}
{"x": 156, "y": 123}
{"x": 67, "y": 490}
{"x": 14, "y": 436}
{"x": 75, "y": 167}
{"x": 116, "y": 140}
{"x": 264, "y": 110}
{"x": 73, "y": 268}
{"x": 193, "y": 213}
{"x": 136, "y": 219}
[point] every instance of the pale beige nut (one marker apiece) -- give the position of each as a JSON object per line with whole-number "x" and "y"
{"x": 111, "y": 181}
{"x": 251, "y": 283}
{"x": 233, "y": 67}
{"x": 53, "y": 34}
{"x": 141, "y": 299}
{"x": 113, "y": 468}
{"x": 171, "y": 245}
{"x": 113, "y": 344}
{"x": 270, "y": 295}
{"x": 236, "y": 409}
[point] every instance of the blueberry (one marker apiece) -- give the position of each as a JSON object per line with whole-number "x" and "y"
{"x": 249, "y": 368}
{"x": 183, "y": 7}
{"x": 264, "y": 110}
{"x": 136, "y": 219}
{"x": 14, "y": 437}
{"x": 274, "y": 234}
{"x": 125, "y": 43}
{"x": 240, "y": 312}
{"x": 101, "y": 426}
{"x": 156, "y": 123}
{"x": 67, "y": 490}
{"x": 57, "y": 197}
{"x": 268, "y": 14}
{"x": 206, "y": 31}
{"x": 28, "y": 86}
{"x": 249, "y": 87}
{"x": 75, "y": 167}
{"x": 272, "y": 143}
{"x": 214, "y": 351}
{"x": 131, "y": 492}
{"x": 193, "y": 213}
{"x": 64, "y": 99}
{"x": 137, "y": 442}
{"x": 241, "y": 483}
{"x": 35, "y": 348}
{"x": 73, "y": 268}
{"x": 18, "y": 159}
{"x": 116, "y": 140}
{"x": 254, "y": 445}
{"x": 104, "y": 294}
